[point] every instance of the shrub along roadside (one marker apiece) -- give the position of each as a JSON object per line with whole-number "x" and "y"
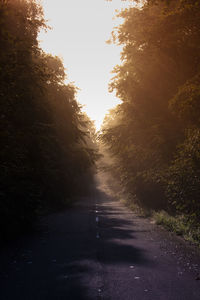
{"x": 179, "y": 224}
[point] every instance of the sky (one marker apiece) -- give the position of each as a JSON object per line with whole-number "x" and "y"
{"x": 80, "y": 29}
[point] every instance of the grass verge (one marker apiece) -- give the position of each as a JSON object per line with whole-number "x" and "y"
{"x": 181, "y": 225}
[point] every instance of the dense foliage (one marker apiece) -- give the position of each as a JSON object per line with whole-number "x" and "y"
{"x": 154, "y": 134}
{"x": 46, "y": 150}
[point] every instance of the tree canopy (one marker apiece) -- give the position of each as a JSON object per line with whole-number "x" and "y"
{"x": 154, "y": 132}
{"x": 47, "y": 150}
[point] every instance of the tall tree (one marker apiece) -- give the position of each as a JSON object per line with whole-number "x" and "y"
{"x": 43, "y": 158}
{"x": 158, "y": 85}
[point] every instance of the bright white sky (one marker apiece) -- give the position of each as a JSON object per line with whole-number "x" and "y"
{"x": 80, "y": 29}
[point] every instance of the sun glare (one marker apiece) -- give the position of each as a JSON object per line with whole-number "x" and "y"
{"x": 79, "y": 33}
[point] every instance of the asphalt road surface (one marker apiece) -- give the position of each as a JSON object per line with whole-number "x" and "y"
{"x": 99, "y": 250}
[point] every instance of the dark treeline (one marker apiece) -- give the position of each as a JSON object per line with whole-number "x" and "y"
{"x": 47, "y": 149}
{"x": 154, "y": 134}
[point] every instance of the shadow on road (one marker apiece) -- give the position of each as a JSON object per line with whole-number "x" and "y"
{"x": 116, "y": 234}
{"x": 66, "y": 260}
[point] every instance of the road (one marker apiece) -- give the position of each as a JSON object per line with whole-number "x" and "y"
{"x": 99, "y": 249}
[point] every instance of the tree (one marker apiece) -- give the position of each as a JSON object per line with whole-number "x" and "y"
{"x": 43, "y": 158}
{"x": 157, "y": 82}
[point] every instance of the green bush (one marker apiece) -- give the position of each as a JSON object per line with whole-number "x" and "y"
{"x": 183, "y": 176}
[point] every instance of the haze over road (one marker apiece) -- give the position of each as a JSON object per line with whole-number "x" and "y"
{"x": 99, "y": 250}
